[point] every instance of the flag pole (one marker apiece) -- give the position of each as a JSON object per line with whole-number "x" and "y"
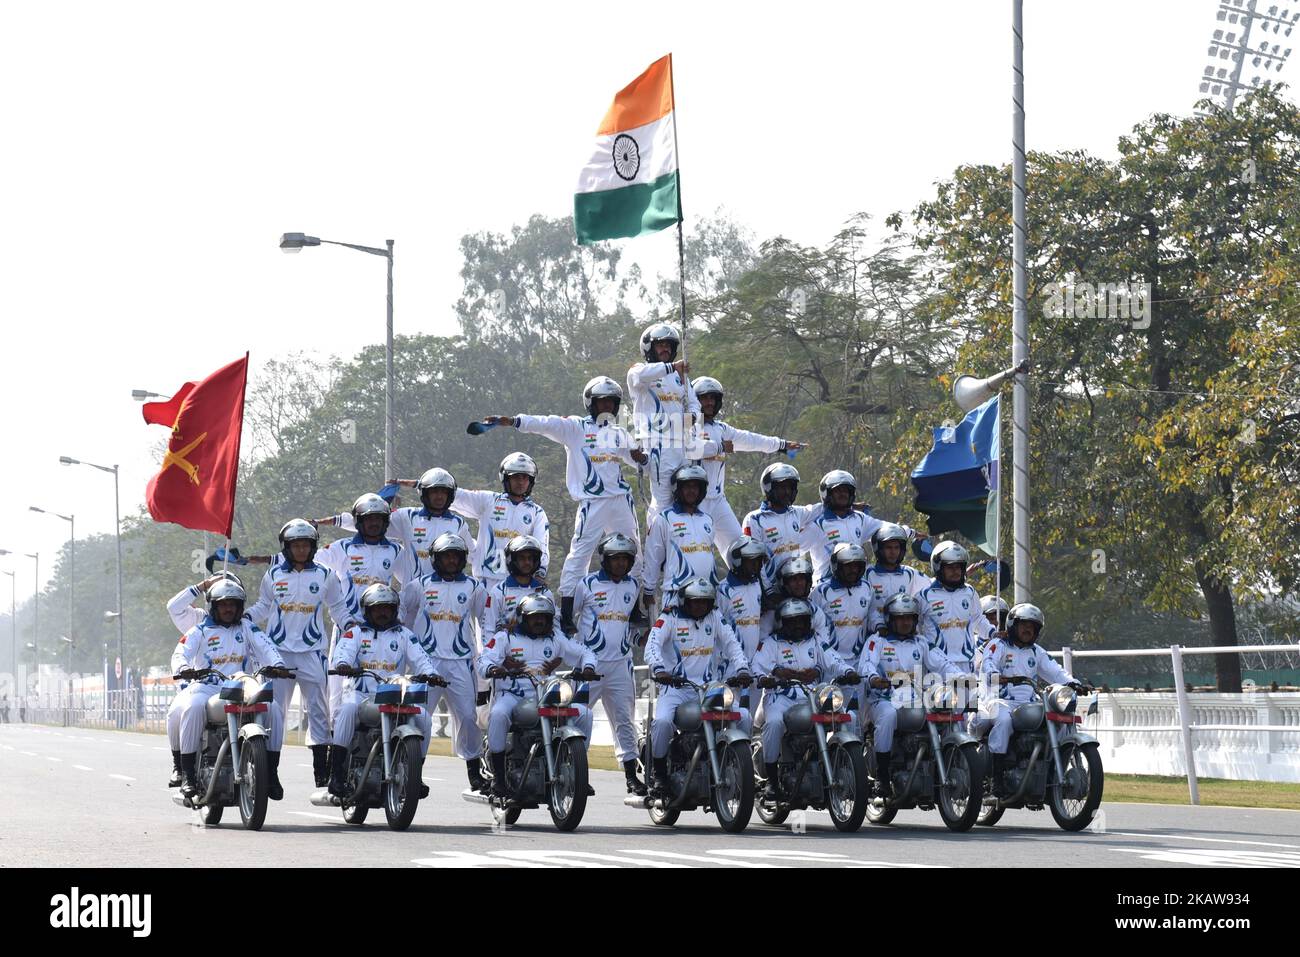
{"x": 681, "y": 242}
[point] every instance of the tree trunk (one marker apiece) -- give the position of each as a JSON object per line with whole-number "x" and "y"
{"x": 1223, "y": 631}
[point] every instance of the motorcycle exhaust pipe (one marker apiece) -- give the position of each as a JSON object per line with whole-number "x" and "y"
{"x": 1024, "y": 782}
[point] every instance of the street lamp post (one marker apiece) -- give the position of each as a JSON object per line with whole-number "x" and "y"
{"x": 293, "y": 243}
{"x": 13, "y": 623}
{"x": 72, "y": 567}
{"x": 117, "y": 519}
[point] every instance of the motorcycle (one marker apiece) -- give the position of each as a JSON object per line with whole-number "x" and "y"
{"x": 232, "y": 764}
{"x": 385, "y": 730}
{"x": 940, "y": 763}
{"x": 546, "y": 753}
{"x": 709, "y": 761}
{"x": 1070, "y": 783}
{"x": 821, "y": 765}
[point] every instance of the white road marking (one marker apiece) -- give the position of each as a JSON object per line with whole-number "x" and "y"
{"x": 82, "y": 767}
{"x": 1188, "y": 837}
{"x": 51, "y": 758}
{"x": 30, "y": 754}
{"x": 1214, "y": 857}
{"x": 467, "y": 859}
{"x": 698, "y": 857}
{"x": 338, "y": 819}
{"x": 162, "y": 749}
{"x": 121, "y": 777}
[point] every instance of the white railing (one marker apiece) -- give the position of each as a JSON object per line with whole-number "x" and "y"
{"x": 1250, "y": 735}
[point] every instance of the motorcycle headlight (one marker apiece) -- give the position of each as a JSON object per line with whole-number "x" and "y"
{"x": 829, "y": 699}
{"x": 719, "y": 697}
{"x": 1061, "y": 698}
{"x": 558, "y": 693}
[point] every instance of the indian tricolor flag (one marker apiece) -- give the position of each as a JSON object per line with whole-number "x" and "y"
{"x": 629, "y": 186}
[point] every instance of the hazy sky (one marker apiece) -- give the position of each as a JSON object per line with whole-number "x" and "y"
{"x": 154, "y": 152}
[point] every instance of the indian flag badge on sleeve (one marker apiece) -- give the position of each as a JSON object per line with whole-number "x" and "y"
{"x": 629, "y": 186}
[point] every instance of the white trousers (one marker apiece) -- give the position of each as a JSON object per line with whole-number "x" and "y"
{"x": 311, "y": 678}
{"x": 461, "y": 690}
{"x": 616, "y": 692}
{"x": 597, "y": 517}
{"x": 726, "y": 527}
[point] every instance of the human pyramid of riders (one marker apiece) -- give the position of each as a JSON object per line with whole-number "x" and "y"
{"x": 801, "y": 610}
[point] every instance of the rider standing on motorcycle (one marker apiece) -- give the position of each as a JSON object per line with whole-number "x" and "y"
{"x": 845, "y": 600}
{"x": 712, "y": 440}
{"x": 740, "y": 596}
{"x": 1007, "y": 675}
{"x": 692, "y": 641}
{"x": 223, "y": 640}
{"x": 444, "y": 609}
{"x": 838, "y": 522}
{"x": 679, "y": 539}
{"x": 663, "y": 409}
{"x": 603, "y": 605}
{"x": 535, "y": 644}
{"x": 790, "y": 654}
{"x": 289, "y": 608}
{"x": 382, "y": 645}
{"x": 899, "y": 657}
{"x": 951, "y": 617}
{"x": 889, "y": 576}
{"x": 779, "y": 523}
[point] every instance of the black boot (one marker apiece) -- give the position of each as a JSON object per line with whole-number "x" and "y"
{"x": 884, "y": 786}
{"x": 175, "y": 780}
{"x": 274, "y": 790}
{"x": 189, "y": 776}
{"x": 634, "y": 785}
{"x": 474, "y": 770}
{"x": 338, "y": 783}
{"x": 499, "y": 788}
{"x": 320, "y": 764}
{"x": 566, "y": 615}
{"x": 659, "y": 781}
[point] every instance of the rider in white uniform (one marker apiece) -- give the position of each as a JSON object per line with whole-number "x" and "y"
{"x": 663, "y": 409}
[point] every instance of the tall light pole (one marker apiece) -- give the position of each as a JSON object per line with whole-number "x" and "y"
{"x": 117, "y": 518}
{"x": 13, "y": 624}
{"x": 1231, "y": 44}
{"x": 293, "y": 243}
{"x": 72, "y": 566}
{"x": 1020, "y": 313}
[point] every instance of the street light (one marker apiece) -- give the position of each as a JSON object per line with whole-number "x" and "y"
{"x": 294, "y": 243}
{"x": 141, "y": 394}
{"x": 72, "y": 563}
{"x": 13, "y": 623}
{"x": 1231, "y": 45}
{"x": 117, "y": 518}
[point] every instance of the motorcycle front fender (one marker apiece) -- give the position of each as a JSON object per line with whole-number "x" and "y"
{"x": 844, "y": 737}
{"x": 959, "y": 737}
{"x": 730, "y": 736}
{"x": 567, "y": 731}
{"x": 253, "y": 730}
{"x": 406, "y": 731}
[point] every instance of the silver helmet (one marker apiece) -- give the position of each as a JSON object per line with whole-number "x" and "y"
{"x": 659, "y": 332}
{"x": 602, "y": 386}
{"x": 534, "y": 604}
{"x": 888, "y": 532}
{"x": 793, "y": 608}
{"x": 371, "y": 504}
{"x": 745, "y": 547}
{"x": 448, "y": 542}
{"x": 697, "y": 588}
{"x": 846, "y": 553}
{"x": 707, "y": 385}
{"x": 945, "y": 552}
{"x": 902, "y": 604}
{"x": 297, "y": 529}
{"x": 690, "y": 472}
{"x": 778, "y": 472}
{"x": 833, "y": 479}
{"x": 227, "y": 590}
{"x": 522, "y": 543}
{"x": 615, "y": 543}
{"x": 797, "y": 565}
{"x": 993, "y": 603}
{"x": 517, "y": 463}
{"x": 437, "y": 478}
{"x": 378, "y": 594}
{"x": 1025, "y": 612}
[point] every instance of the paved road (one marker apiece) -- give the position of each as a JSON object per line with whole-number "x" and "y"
{"x": 99, "y": 798}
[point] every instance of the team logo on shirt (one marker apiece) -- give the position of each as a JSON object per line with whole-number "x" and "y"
{"x": 313, "y": 588}
{"x": 708, "y": 629}
{"x": 387, "y": 564}
{"x": 526, "y": 519}
{"x": 627, "y": 598}
{"x": 461, "y": 598}
{"x": 1030, "y": 662}
{"x": 392, "y": 645}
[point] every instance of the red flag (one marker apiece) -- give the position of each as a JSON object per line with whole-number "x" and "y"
{"x": 196, "y": 487}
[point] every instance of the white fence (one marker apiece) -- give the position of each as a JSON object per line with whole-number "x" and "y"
{"x": 1253, "y": 736}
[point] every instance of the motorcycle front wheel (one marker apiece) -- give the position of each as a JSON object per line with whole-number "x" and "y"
{"x": 402, "y": 792}
{"x": 568, "y": 797}
{"x": 849, "y": 793}
{"x": 255, "y": 774}
{"x": 1084, "y": 782}
{"x": 734, "y": 795}
{"x": 960, "y": 801}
